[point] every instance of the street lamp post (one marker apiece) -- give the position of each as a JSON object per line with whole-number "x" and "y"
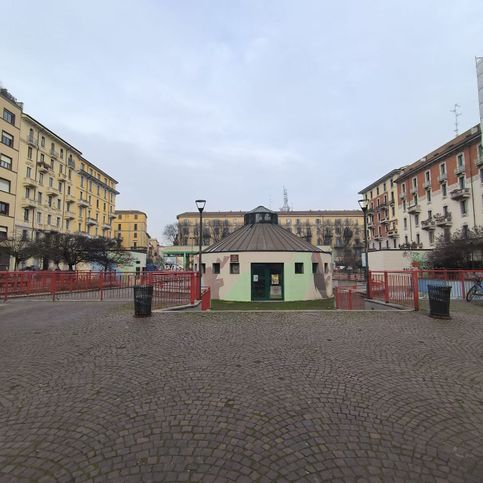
{"x": 200, "y": 204}
{"x": 364, "y": 204}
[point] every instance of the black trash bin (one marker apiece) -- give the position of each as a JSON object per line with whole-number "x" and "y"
{"x": 439, "y": 297}
{"x": 143, "y": 298}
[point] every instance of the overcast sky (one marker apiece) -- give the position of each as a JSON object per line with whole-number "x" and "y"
{"x": 230, "y": 100}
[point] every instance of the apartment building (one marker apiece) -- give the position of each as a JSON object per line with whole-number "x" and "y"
{"x": 442, "y": 192}
{"x": 343, "y": 230}
{"x": 130, "y": 228}
{"x": 96, "y": 200}
{"x": 58, "y": 189}
{"x": 10, "y": 120}
{"x": 383, "y": 211}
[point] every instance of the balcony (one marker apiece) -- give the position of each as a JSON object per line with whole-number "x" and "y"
{"x": 106, "y": 226}
{"x": 429, "y": 224}
{"x": 69, "y": 198}
{"x": 71, "y": 163}
{"x": 443, "y": 220}
{"x": 112, "y": 216}
{"x": 69, "y": 215}
{"x": 32, "y": 141}
{"x": 29, "y": 182}
{"x": 402, "y": 196}
{"x": 83, "y": 203}
{"x": 392, "y": 233}
{"x": 29, "y": 203}
{"x": 427, "y": 184}
{"x": 414, "y": 190}
{"x": 43, "y": 166}
{"x": 385, "y": 221}
{"x": 51, "y": 191}
{"x": 377, "y": 237}
{"x": 91, "y": 222}
{"x": 459, "y": 170}
{"x": 460, "y": 194}
{"x": 479, "y": 160}
{"x": 413, "y": 209}
{"x": 391, "y": 202}
{"x": 53, "y": 153}
{"x": 382, "y": 205}
{"x": 443, "y": 177}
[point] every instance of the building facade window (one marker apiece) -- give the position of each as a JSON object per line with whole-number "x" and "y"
{"x": 461, "y": 182}
{"x": 299, "y": 267}
{"x": 428, "y": 196}
{"x": 431, "y": 237}
{"x": 464, "y": 207}
{"x": 5, "y": 161}
{"x": 3, "y": 232}
{"x": 216, "y": 268}
{"x": 4, "y": 208}
{"x": 5, "y": 185}
{"x": 444, "y": 190}
{"x": 42, "y": 141}
{"x": 7, "y": 139}
{"x": 8, "y": 116}
{"x": 234, "y": 268}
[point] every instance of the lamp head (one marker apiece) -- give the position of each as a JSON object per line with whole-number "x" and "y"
{"x": 363, "y": 204}
{"x": 200, "y": 204}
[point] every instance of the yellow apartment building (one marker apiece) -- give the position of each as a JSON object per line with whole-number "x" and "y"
{"x": 58, "y": 189}
{"x": 130, "y": 228}
{"x": 342, "y": 230}
{"x": 10, "y": 120}
{"x": 96, "y": 200}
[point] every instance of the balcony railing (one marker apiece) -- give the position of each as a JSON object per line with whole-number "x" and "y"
{"x": 460, "y": 193}
{"x": 83, "y": 203}
{"x": 427, "y": 184}
{"x": 32, "y": 141}
{"x": 106, "y": 226}
{"x": 443, "y": 220}
{"x": 402, "y": 196}
{"x": 29, "y": 203}
{"x": 414, "y": 190}
{"x": 91, "y": 221}
{"x": 443, "y": 177}
{"x": 53, "y": 153}
{"x": 27, "y": 181}
{"x": 429, "y": 224}
{"x": 392, "y": 233}
{"x": 414, "y": 209}
{"x": 51, "y": 191}
{"x": 479, "y": 160}
{"x": 459, "y": 170}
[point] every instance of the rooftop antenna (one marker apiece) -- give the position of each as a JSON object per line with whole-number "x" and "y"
{"x": 285, "y": 206}
{"x": 457, "y": 114}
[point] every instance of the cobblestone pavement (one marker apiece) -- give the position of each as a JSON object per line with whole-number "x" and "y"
{"x": 88, "y": 393}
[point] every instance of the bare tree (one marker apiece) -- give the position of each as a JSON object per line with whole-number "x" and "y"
{"x": 106, "y": 253}
{"x": 171, "y": 234}
{"x": 17, "y": 247}
{"x": 464, "y": 249}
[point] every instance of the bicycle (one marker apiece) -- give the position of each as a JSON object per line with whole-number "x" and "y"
{"x": 475, "y": 290}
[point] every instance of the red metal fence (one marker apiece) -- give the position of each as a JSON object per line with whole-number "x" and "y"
{"x": 169, "y": 288}
{"x": 406, "y": 287}
{"x": 349, "y": 298}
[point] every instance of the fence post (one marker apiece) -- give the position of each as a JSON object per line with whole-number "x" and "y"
{"x": 462, "y": 277}
{"x": 5, "y": 281}
{"x": 336, "y": 294}
{"x": 414, "y": 278}
{"x": 192, "y": 288}
{"x": 369, "y": 284}
{"x": 53, "y": 282}
{"x": 101, "y": 285}
{"x": 349, "y": 302}
{"x": 386, "y": 287}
